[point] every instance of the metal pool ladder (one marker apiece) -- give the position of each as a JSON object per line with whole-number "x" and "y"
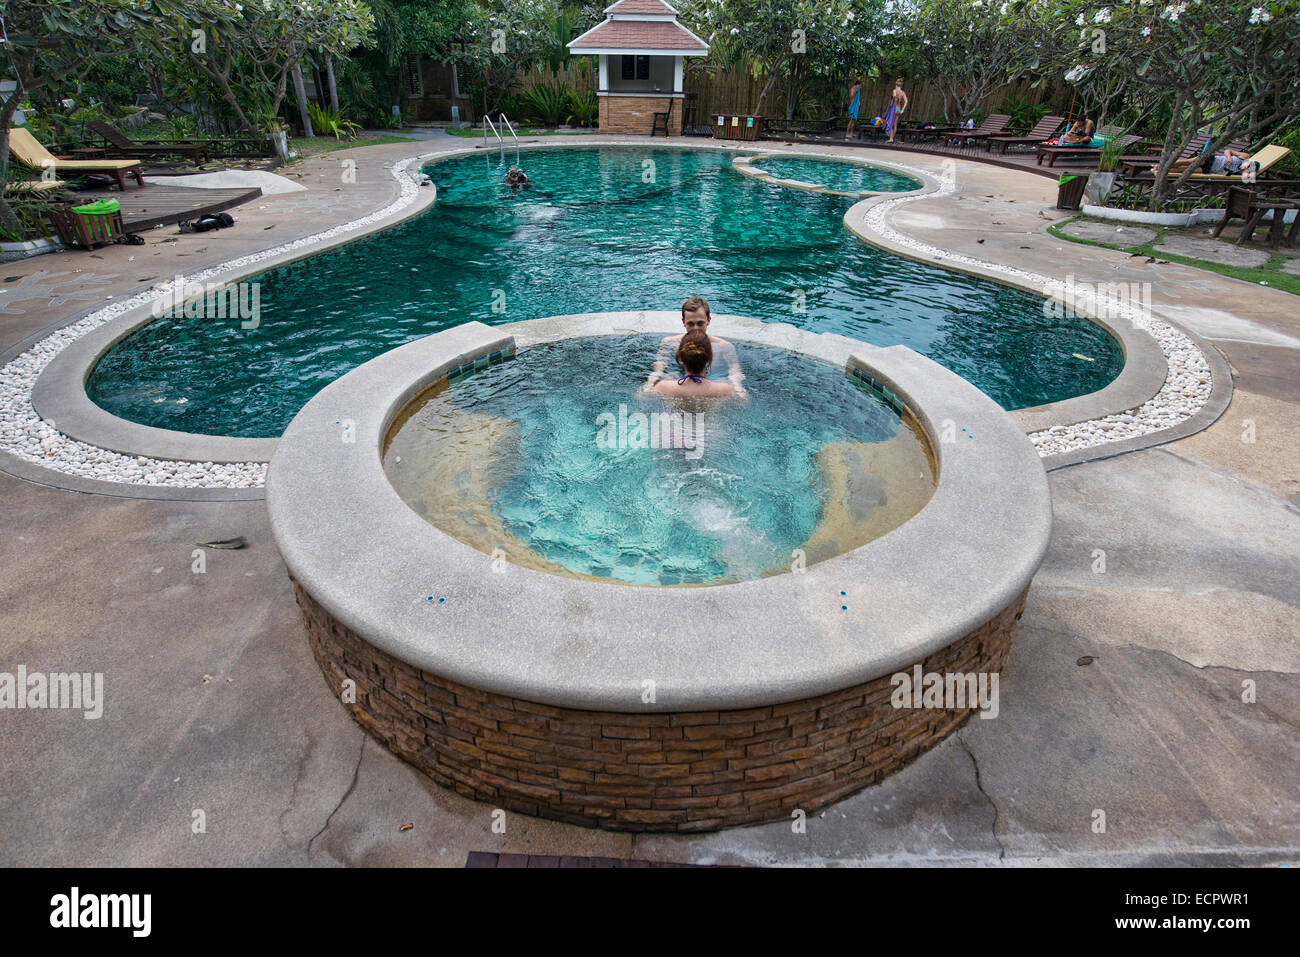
{"x": 488, "y": 124}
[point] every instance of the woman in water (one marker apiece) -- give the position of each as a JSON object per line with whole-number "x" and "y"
{"x": 694, "y": 355}
{"x": 897, "y": 104}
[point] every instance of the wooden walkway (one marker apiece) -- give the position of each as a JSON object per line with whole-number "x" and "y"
{"x": 1026, "y": 161}
{"x": 158, "y": 205}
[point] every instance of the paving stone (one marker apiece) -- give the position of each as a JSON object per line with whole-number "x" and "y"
{"x": 1292, "y": 267}
{"x": 1117, "y": 233}
{"x": 1213, "y": 250}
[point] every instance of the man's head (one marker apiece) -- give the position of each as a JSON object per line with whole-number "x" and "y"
{"x": 695, "y": 314}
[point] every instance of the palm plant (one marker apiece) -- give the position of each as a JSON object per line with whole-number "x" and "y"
{"x": 549, "y": 101}
{"x": 583, "y": 107}
{"x": 324, "y": 120}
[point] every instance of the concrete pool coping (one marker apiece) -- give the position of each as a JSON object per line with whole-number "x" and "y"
{"x": 59, "y": 395}
{"x": 365, "y": 556}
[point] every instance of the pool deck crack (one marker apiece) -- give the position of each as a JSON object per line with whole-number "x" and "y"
{"x": 993, "y": 829}
{"x": 356, "y": 774}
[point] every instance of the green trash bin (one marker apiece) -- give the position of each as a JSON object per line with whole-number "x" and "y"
{"x": 1069, "y": 191}
{"x": 98, "y": 218}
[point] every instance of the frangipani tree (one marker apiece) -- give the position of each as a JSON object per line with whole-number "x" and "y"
{"x": 248, "y": 51}
{"x": 788, "y": 39}
{"x": 48, "y": 45}
{"x": 1230, "y": 67}
{"x": 499, "y": 37}
{"x": 972, "y": 49}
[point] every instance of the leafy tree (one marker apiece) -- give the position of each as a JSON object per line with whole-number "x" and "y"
{"x": 972, "y": 49}
{"x": 789, "y": 39}
{"x": 248, "y": 51}
{"x": 49, "y": 45}
{"x": 497, "y": 39}
{"x": 1229, "y": 66}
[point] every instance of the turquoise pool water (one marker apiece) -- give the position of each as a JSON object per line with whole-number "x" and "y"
{"x": 555, "y": 459}
{"x": 845, "y": 177}
{"x": 608, "y": 228}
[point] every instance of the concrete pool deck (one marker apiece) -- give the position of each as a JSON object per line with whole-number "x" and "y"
{"x": 215, "y": 703}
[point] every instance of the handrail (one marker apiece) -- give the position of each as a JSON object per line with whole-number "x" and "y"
{"x": 505, "y": 122}
{"x": 487, "y": 122}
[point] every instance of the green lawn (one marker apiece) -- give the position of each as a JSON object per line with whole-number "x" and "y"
{"x": 328, "y": 144}
{"x": 1269, "y": 274}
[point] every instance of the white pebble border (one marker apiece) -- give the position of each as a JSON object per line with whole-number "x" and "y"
{"x": 26, "y": 435}
{"x": 1187, "y": 386}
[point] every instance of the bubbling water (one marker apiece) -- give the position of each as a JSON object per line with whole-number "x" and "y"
{"x": 555, "y": 461}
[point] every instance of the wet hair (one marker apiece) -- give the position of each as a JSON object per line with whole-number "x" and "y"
{"x": 695, "y": 352}
{"x": 695, "y": 302}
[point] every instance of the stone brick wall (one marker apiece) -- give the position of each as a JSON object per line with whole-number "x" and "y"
{"x": 635, "y": 114}
{"x": 686, "y": 771}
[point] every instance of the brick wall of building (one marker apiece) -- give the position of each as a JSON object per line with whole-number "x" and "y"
{"x": 635, "y": 114}
{"x": 685, "y": 771}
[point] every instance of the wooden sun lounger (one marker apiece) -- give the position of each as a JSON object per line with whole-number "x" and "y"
{"x": 1266, "y": 158}
{"x": 34, "y": 185}
{"x": 119, "y": 145}
{"x": 1129, "y": 165}
{"x": 994, "y": 123}
{"x": 1043, "y": 131}
{"x": 1053, "y": 153}
{"x": 30, "y": 153}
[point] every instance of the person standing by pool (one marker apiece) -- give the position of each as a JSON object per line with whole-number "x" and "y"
{"x": 694, "y": 356}
{"x": 855, "y": 95}
{"x": 897, "y": 104}
{"x": 696, "y": 318}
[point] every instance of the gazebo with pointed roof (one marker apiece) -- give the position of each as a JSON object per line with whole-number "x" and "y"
{"x": 641, "y": 48}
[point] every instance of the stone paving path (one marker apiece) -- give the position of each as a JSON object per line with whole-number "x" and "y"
{"x": 1123, "y": 694}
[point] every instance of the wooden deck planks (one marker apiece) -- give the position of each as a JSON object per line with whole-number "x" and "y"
{"x": 159, "y": 205}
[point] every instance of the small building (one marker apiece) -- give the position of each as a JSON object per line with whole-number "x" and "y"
{"x": 641, "y": 47}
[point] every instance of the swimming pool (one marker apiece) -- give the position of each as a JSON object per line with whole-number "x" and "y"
{"x": 603, "y": 228}
{"x": 843, "y": 177}
{"x": 555, "y": 459}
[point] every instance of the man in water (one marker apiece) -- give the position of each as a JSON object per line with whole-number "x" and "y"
{"x": 516, "y": 178}
{"x": 695, "y": 316}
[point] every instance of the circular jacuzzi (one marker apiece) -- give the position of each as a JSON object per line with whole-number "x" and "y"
{"x": 545, "y": 460}
{"x": 486, "y": 621}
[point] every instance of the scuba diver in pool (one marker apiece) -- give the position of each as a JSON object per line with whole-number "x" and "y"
{"x": 516, "y": 178}
{"x": 696, "y": 318}
{"x": 694, "y": 356}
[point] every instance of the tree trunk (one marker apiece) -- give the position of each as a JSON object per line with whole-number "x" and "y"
{"x": 329, "y": 78}
{"x": 762, "y": 97}
{"x": 300, "y": 91}
{"x": 7, "y": 217}
{"x": 792, "y": 92}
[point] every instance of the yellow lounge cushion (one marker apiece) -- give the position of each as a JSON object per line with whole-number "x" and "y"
{"x": 31, "y": 153}
{"x": 34, "y": 185}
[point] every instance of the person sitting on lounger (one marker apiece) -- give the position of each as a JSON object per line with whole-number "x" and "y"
{"x": 694, "y": 356}
{"x": 1080, "y": 134}
{"x": 696, "y": 318}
